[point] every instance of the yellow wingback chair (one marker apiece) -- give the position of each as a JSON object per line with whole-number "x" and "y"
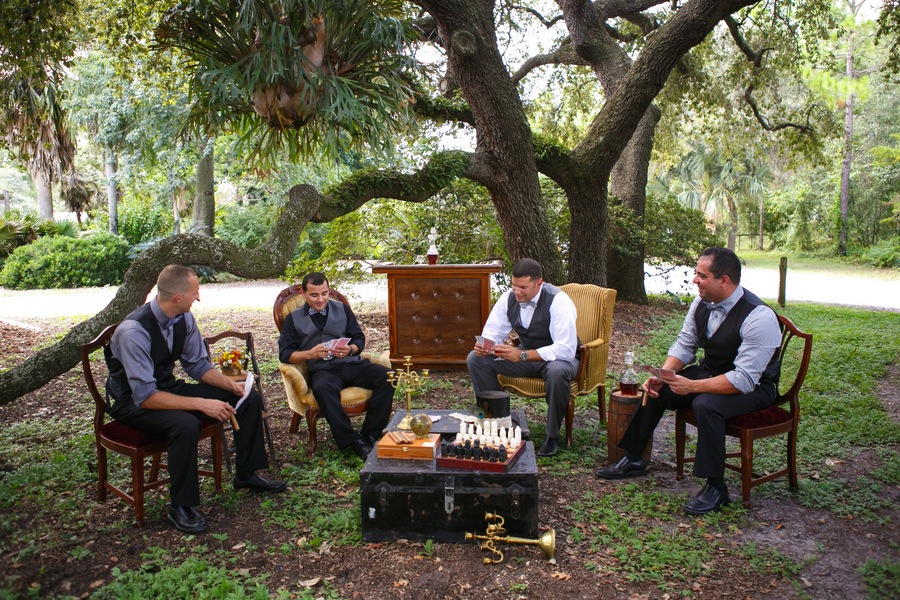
{"x": 355, "y": 400}
{"x": 594, "y": 324}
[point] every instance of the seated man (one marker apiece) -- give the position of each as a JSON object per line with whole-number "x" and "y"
{"x": 543, "y": 316}
{"x": 302, "y": 338}
{"x": 738, "y": 374}
{"x": 141, "y": 359}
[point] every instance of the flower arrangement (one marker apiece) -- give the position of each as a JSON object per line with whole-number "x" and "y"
{"x": 232, "y": 359}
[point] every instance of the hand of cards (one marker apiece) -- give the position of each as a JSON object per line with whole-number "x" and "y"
{"x": 664, "y": 374}
{"x": 332, "y": 345}
{"x": 486, "y": 343}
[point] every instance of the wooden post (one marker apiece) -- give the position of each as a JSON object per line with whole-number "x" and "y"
{"x": 782, "y": 277}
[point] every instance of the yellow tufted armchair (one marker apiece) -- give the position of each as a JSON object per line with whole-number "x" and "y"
{"x": 355, "y": 400}
{"x": 595, "y": 314}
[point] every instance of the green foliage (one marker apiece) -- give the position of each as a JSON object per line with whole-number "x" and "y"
{"x": 673, "y": 234}
{"x": 881, "y": 578}
{"x": 246, "y": 225}
{"x": 19, "y": 229}
{"x": 188, "y": 578}
{"x": 884, "y": 255}
{"x": 140, "y": 221}
{"x": 388, "y": 230}
{"x": 63, "y": 262}
{"x": 639, "y": 528}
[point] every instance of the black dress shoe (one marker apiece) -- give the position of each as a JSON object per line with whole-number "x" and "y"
{"x": 257, "y": 483}
{"x": 368, "y": 439}
{"x": 548, "y": 448}
{"x": 622, "y": 469}
{"x": 186, "y": 519}
{"x": 708, "y": 500}
{"x": 361, "y": 448}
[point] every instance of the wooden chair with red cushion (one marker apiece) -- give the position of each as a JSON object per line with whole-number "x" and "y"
{"x": 355, "y": 400}
{"x": 782, "y": 417}
{"x": 124, "y": 439}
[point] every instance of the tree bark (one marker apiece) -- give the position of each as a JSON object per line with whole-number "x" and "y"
{"x": 629, "y": 184}
{"x": 205, "y": 201}
{"x": 44, "y": 191}
{"x": 504, "y": 143}
{"x": 848, "y": 148}
{"x": 112, "y": 191}
{"x": 5, "y": 202}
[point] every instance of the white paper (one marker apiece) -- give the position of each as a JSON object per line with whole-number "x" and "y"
{"x": 248, "y": 385}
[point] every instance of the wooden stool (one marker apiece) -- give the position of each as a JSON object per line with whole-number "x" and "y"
{"x": 621, "y": 411}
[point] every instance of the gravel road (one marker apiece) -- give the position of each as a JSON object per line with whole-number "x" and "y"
{"x": 826, "y": 288}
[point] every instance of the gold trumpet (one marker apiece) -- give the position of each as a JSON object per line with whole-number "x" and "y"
{"x": 495, "y": 534}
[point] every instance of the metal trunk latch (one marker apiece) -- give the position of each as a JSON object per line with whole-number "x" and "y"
{"x": 383, "y": 490}
{"x": 515, "y": 506}
{"x": 449, "y": 483}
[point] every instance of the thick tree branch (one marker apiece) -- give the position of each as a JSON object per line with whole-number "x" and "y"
{"x": 266, "y": 261}
{"x": 767, "y": 125}
{"x": 564, "y": 55}
{"x": 756, "y": 58}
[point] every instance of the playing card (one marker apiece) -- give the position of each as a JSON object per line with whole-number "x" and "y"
{"x": 488, "y": 345}
{"x": 340, "y": 343}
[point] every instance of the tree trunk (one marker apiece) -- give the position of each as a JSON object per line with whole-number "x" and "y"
{"x": 848, "y": 152}
{"x": 625, "y": 271}
{"x": 762, "y": 200}
{"x": 5, "y": 201}
{"x": 43, "y": 189}
{"x": 205, "y": 200}
{"x": 112, "y": 191}
{"x": 504, "y": 142}
{"x": 733, "y": 225}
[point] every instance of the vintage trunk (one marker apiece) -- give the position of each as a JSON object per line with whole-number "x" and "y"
{"x": 418, "y": 500}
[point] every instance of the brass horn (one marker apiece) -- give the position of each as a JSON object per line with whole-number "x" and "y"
{"x": 494, "y": 535}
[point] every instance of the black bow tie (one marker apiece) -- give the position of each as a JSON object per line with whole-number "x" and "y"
{"x": 313, "y": 311}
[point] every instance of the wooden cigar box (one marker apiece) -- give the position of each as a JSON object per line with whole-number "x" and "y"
{"x": 420, "y": 448}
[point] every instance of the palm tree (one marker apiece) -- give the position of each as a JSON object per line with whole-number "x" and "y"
{"x": 706, "y": 180}
{"x": 36, "y": 131}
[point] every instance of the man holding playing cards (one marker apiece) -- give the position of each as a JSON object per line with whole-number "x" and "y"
{"x": 738, "y": 375}
{"x": 141, "y": 359}
{"x": 543, "y": 316}
{"x": 325, "y": 333}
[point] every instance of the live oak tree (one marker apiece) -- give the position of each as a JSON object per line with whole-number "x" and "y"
{"x": 244, "y": 72}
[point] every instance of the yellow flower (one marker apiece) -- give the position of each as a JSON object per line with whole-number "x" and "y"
{"x": 231, "y": 357}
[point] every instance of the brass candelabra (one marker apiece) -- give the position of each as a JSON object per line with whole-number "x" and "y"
{"x": 496, "y": 534}
{"x": 412, "y": 381}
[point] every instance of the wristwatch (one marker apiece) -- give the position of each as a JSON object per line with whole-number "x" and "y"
{"x": 523, "y": 355}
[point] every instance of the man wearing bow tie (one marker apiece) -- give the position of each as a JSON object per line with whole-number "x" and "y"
{"x": 543, "y": 316}
{"x": 738, "y": 375}
{"x": 303, "y": 337}
{"x": 141, "y": 359}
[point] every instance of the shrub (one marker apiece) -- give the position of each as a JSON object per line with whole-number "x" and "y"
{"x": 246, "y": 226}
{"x": 140, "y": 222}
{"x": 64, "y": 262}
{"x": 885, "y": 254}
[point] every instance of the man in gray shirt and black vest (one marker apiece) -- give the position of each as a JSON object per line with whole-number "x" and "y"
{"x": 543, "y": 316}
{"x": 738, "y": 375}
{"x": 303, "y": 337}
{"x": 141, "y": 359}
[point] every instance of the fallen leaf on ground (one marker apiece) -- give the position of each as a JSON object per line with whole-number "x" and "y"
{"x": 309, "y": 582}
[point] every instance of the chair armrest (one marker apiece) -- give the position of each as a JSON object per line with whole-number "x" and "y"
{"x": 378, "y": 359}
{"x": 592, "y": 370}
{"x": 295, "y": 386}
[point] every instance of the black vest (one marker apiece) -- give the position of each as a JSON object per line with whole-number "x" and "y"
{"x": 163, "y": 360}
{"x": 310, "y": 335}
{"x": 538, "y": 333}
{"x": 721, "y": 349}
